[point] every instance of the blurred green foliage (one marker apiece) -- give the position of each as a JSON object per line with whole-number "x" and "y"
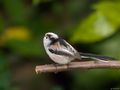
{"x": 102, "y": 23}
{"x": 91, "y": 25}
{"x": 5, "y": 81}
{"x": 36, "y": 2}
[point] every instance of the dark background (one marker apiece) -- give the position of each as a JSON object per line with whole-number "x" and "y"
{"x": 91, "y": 26}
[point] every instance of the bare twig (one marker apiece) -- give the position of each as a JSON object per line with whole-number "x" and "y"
{"x": 78, "y": 65}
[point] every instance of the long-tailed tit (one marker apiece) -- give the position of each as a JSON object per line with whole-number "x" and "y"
{"x": 62, "y": 52}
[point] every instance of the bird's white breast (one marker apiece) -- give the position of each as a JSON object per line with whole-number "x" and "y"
{"x": 59, "y": 59}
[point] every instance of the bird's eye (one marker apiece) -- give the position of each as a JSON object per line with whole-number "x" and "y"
{"x": 46, "y": 37}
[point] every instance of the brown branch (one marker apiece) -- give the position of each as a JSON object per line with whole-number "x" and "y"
{"x": 78, "y": 65}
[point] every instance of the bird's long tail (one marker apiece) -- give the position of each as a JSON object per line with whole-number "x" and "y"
{"x": 96, "y": 57}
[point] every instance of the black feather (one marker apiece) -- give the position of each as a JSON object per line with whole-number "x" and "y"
{"x": 88, "y": 55}
{"x": 62, "y": 42}
{"x": 53, "y": 41}
{"x": 57, "y": 52}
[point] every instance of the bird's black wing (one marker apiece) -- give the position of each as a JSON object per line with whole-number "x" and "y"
{"x": 67, "y": 45}
{"x": 63, "y": 42}
{"x": 62, "y": 52}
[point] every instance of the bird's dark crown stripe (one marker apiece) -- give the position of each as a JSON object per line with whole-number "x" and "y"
{"x": 53, "y": 41}
{"x": 49, "y": 35}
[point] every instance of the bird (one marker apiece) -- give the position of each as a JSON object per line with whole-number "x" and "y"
{"x": 61, "y": 52}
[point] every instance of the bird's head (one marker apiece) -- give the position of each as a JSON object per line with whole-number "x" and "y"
{"x": 50, "y": 38}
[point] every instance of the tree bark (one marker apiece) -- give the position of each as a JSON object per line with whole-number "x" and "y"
{"x": 78, "y": 65}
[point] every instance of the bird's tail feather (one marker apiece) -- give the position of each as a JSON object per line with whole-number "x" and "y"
{"x": 95, "y": 57}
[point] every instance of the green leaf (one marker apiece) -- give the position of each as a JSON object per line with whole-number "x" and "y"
{"x": 111, "y": 10}
{"x": 98, "y": 25}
